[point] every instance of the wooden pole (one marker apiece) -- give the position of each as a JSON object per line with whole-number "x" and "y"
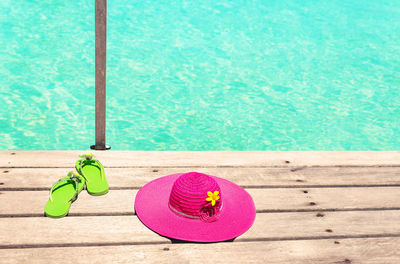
{"x": 100, "y": 61}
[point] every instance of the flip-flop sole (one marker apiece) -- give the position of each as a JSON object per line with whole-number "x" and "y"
{"x": 61, "y": 194}
{"x": 94, "y": 185}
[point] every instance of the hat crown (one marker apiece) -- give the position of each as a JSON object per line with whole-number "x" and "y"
{"x": 189, "y": 194}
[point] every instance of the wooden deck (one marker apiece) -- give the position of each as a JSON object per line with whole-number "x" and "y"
{"x": 312, "y": 207}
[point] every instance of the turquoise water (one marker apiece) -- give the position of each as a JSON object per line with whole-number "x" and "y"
{"x": 203, "y": 75}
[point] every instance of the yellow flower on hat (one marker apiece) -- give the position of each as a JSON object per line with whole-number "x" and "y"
{"x": 212, "y": 197}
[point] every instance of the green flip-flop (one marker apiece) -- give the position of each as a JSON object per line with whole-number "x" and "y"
{"x": 62, "y": 194}
{"x": 93, "y": 172}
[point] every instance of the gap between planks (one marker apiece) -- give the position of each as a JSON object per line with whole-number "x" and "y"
{"x": 293, "y": 168}
{"x": 172, "y": 242}
{"x": 243, "y": 186}
{"x": 319, "y": 211}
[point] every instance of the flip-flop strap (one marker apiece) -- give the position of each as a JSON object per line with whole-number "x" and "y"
{"x": 79, "y": 169}
{"x": 71, "y": 176}
{"x": 89, "y": 157}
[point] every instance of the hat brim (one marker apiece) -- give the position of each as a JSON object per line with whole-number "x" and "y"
{"x": 236, "y": 216}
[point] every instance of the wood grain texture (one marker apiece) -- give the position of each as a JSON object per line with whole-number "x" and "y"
{"x": 32, "y": 178}
{"x": 313, "y": 207}
{"x": 355, "y": 250}
{"x": 266, "y": 200}
{"x": 42, "y": 231}
{"x": 202, "y": 158}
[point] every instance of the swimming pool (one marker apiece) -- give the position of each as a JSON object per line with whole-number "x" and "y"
{"x": 203, "y": 75}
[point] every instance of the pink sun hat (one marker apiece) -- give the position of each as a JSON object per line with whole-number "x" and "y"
{"x": 195, "y": 207}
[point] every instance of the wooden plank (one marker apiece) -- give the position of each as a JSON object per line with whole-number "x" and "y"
{"x": 356, "y": 250}
{"x": 203, "y": 158}
{"x": 31, "y": 203}
{"x": 100, "y": 61}
{"x": 40, "y": 231}
{"x": 32, "y": 178}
